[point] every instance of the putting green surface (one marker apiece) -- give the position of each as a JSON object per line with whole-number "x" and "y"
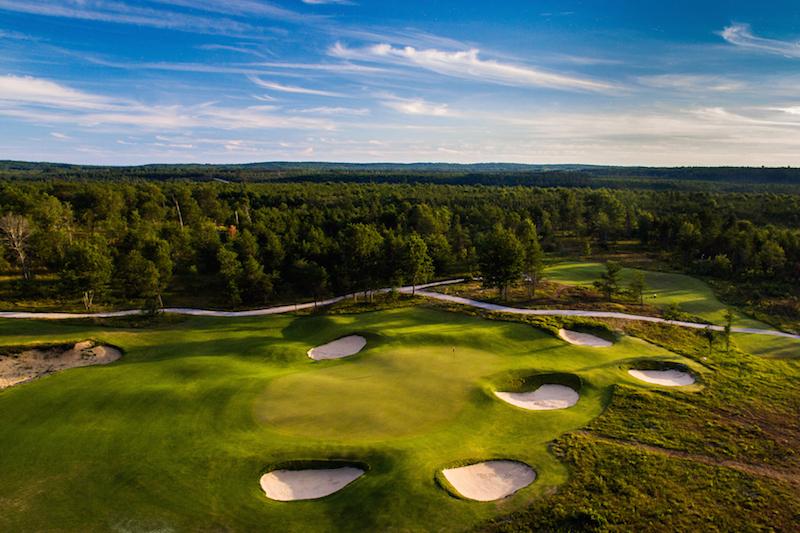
{"x": 176, "y": 435}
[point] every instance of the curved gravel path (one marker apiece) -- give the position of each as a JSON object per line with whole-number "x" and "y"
{"x": 593, "y": 314}
{"x": 419, "y": 291}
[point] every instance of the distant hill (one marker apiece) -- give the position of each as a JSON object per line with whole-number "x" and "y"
{"x": 783, "y": 179}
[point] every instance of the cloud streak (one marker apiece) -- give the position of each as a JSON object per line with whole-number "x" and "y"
{"x": 468, "y": 64}
{"x": 741, "y": 35}
{"x": 47, "y": 102}
{"x": 691, "y": 83}
{"x": 291, "y": 88}
{"x": 122, "y": 13}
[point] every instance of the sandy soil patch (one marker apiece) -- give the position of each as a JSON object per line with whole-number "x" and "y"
{"x": 545, "y": 398}
{"x": 292, "y": 485}
{"x": 35, "y": 363}
{"x": 344, "y": 347}
{"x": 583, "y": 339}
{"x": 490, "y": 480}
{"x": 666, "y": 378}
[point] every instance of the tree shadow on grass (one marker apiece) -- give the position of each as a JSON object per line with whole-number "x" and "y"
{"x": 252, "y": 347}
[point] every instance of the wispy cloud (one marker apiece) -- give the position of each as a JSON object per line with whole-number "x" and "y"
{"x": 237, "y": 49}
{"x": 331, "y": 111}
{"x": 323, "y": 2}
{"x": 291, "y": 88}
{"x": 257, "y": 8}
{"x": 123, "y": 13}
{"x": 469, "y": 65}
{"x": 4, "y": 34}
{"x": 691, "y": 83}
{"x": 47, "y": 102}
{"x": 742, "y": 35}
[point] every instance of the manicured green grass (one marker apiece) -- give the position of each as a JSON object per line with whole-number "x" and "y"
{"x": 177, "y": 433}
{"x": 693, "y": 296}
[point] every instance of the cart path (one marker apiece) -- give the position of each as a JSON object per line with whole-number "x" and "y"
{"x": 419, "y": 290}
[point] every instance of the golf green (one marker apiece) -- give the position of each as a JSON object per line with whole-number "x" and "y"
{"x": 177, "y": 433}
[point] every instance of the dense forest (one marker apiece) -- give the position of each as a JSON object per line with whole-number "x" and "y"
{"x": 138, "y": 241}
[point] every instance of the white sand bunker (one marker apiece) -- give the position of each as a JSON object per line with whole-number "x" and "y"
{"x": 490, "y": 480}
{"x": 545, "y": 398}
{"x": 292, "y": 485}
{"x": 35, "y": 363}
{"x": 667, "y": 378}
{"x": 583, "y": 339}
{"x": 344, "y": 347}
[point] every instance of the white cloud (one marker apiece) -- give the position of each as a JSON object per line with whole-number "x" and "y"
{"x": 25, "y": 89}
{"x": 469, "y": 65}
{"x": 290, "y": 88}
{"x": 417, "y": 106}
{"x": 59, "y": 136}
{"x": 793, "y": 110}
{"x": 742, "y": 35}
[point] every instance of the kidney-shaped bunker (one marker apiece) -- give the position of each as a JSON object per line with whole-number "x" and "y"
{"x": 292, "y": 485}
{"x": 344, "y": 347}
{"x": 583, "y": 339}
{"x": 545, "y": 398}
{"x": 666, "y": 378}
{"x": 490, "y": 480}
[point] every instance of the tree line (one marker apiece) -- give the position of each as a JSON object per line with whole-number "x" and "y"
{"x": 137, "y": 240}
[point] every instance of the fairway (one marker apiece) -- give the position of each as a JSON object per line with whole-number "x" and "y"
{"x": 691, "y": 295}
{"x": 178, "y": 432}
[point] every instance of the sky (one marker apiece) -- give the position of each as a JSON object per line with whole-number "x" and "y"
{"x": 209, "y": 81}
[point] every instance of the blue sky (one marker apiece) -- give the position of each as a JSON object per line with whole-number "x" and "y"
{"x": 604, "y": 82}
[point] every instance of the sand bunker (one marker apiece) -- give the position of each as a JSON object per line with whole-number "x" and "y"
{"x": 583, "y": 339}
{"x": 292, "y": 485}
{"x": 35, "y": 363}
{"x": 545, "y": 398}
{"x": 490, "y": 480}
{"x": 339, "y": 348}
{"x": 667, "y": 378}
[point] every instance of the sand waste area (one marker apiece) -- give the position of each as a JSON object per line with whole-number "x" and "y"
{"x": 37, "y": 362}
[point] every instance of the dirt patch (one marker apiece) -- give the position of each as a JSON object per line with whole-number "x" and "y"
{"x": 34, "y": 363}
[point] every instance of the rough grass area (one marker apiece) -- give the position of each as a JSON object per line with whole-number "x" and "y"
{"x": 621, "y": 486}
{"x": 724, "y": 459}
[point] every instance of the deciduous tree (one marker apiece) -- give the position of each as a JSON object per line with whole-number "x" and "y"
{"x": 16, "y": 232}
